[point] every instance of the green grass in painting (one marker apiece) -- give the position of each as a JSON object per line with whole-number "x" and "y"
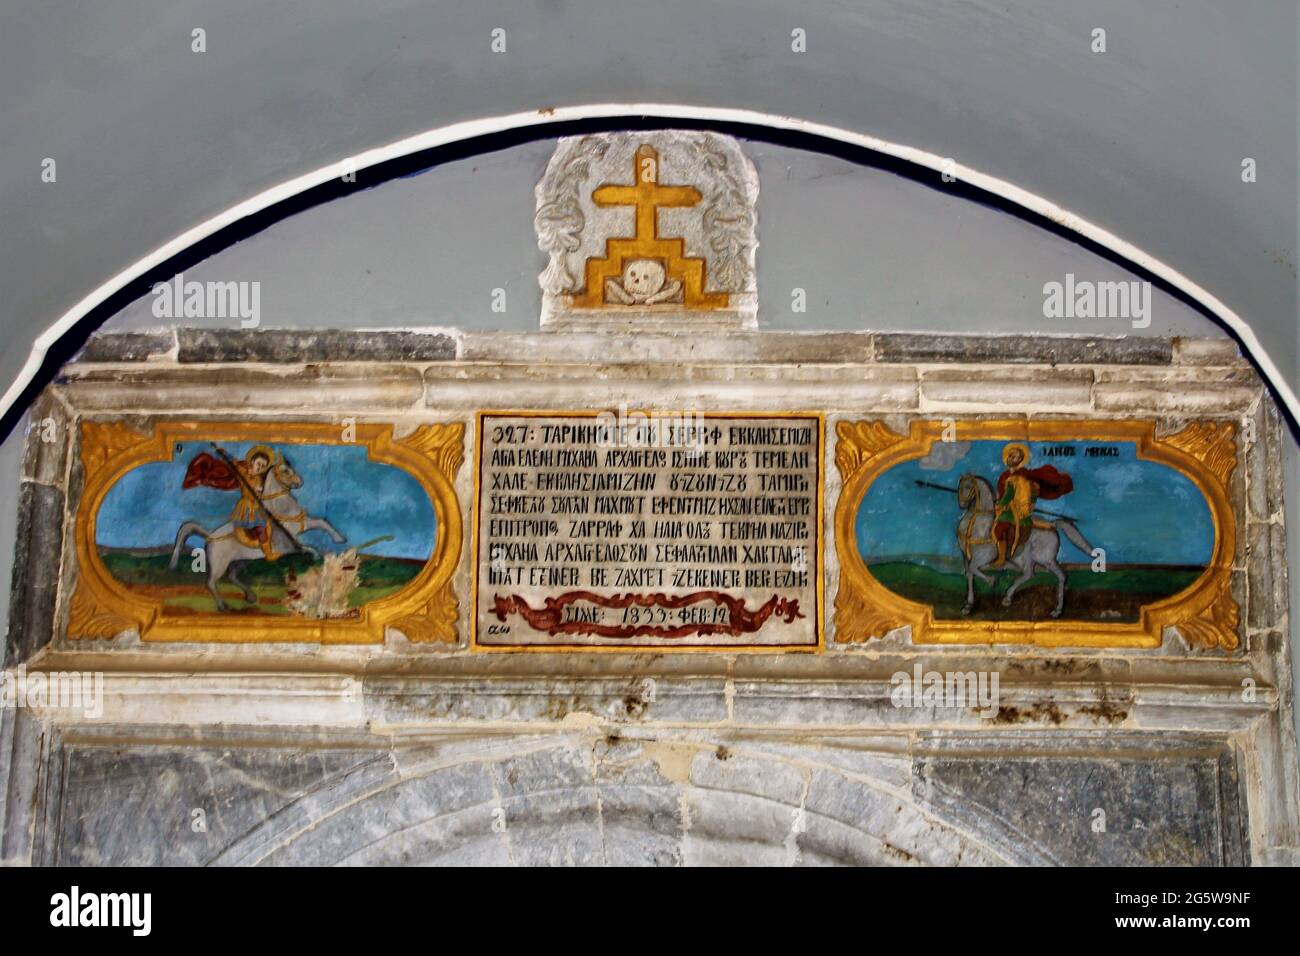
{"x": 1116, "y": 595}
{"x": 186, "y": 590}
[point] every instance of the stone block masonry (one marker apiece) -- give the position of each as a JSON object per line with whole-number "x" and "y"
{"x": 429, "y": 750}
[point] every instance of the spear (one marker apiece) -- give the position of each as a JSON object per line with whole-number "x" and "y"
{"x": 361, "y": 547}
{"x": 1041, "y": 511}
{"x": 256, "y": 497}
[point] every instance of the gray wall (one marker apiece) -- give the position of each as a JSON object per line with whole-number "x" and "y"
{"x": 872, "y": 250}
{"x": 1145, "y": 139}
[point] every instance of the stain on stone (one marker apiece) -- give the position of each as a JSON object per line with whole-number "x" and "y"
{"x": 673, "y": 759}
{"x": 1062, "y": 666}
{"x": 898, "y": 853}
{"x": 1056, "y": 665}
{"x": 1105, "y": 711}
{"x": 1044, "y": 711}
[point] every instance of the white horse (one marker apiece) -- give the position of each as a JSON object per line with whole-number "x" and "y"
{"x": 226, "y": 555}
{"x": 979, "y": 548}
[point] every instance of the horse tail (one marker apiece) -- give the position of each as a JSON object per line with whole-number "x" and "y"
{"x": 1076, "y": 537}
{"x": 187, "y": 529}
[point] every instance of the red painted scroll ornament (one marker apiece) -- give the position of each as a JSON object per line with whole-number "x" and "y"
{"x": 740, "y": 620}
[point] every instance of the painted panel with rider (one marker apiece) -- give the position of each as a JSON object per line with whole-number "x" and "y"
{"x": 969, "y": 528}
{"x": 255, "y": 533}
{"x": 979, "y": 528}
{"x": 275, "y": 524}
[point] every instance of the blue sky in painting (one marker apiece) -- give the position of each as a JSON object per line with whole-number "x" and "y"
{"x": 1140, "y": 512}
{"x": 363, "y": 499}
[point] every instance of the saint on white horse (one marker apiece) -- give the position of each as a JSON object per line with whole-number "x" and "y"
{"x": 1007, "y": 529}
{"x": 267, "y": 521}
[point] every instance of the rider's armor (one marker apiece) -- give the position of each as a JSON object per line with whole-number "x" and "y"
{"x": 1019, "y": 489}
{"x": 252, "y": 527}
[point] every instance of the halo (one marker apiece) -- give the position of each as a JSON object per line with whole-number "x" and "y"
{"x": 1024, "y": 451}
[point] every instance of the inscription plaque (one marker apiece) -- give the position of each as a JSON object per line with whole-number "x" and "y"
{"x": 629, "y": 530}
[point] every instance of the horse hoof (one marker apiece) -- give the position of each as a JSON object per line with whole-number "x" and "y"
{"x": 1056, "y": 613}
{"x": 1006, "y": 602}
{"x": 967, "y": 608}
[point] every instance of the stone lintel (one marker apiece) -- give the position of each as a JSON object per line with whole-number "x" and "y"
{"x": 389, "y": 704}
{"x": 269, "y": 346}
{"x": 1022, "y": 349}
{"x": 673, "y": 340}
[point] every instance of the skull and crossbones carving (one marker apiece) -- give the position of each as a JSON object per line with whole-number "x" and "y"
{"x": 643, "y": 282}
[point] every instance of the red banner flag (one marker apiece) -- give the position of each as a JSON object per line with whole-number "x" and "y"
{"x": 210, "y": 472}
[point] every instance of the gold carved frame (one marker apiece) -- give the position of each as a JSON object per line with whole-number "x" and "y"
{"x": 1205, "y": 612}
{"x": 424, "y": 610}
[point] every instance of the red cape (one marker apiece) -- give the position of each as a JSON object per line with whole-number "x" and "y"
{"x": 1051, "y": 483}
{"x": 210, "y": 472}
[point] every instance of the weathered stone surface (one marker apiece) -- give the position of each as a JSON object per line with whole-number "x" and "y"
{"x": 764, "y": 778}
{"x": 155, "y": 793}
{"x": 1281, "y": 593}
{"x": 830, "y": 348}
{"x": 1258, "y": 466}
{"x": 1171, "y": 811}
{"x": 730, "y": 829}
{"x": 642, "y": 811}
{"x": 22, "y": 739}
{"x": 36, "y": 571}
{"x": 415, "y": 701}
{"x": 1206, "y": 352}
{"x": 288, "y": 346}
{"x": 856, "y": 823}
{"x": 1199, "y": 391}
{"x": 702, "y": 387}
{"x": 551, "y": 808}
{"x": 1273, "y": 434}
{"x": 1027, "y": 349}
{"x": 127, "y": 346}
{"x": 885, "y": 760}
{"x": 445, "y": 815}
{"x": 571, "y": 800}
{"x": 1002, "y": 388}
{"x": 439, "y": 816}
{"x": 1259, "y": 572}
{"x": 46, "y": 456}
{"x": 312, "y": 389}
